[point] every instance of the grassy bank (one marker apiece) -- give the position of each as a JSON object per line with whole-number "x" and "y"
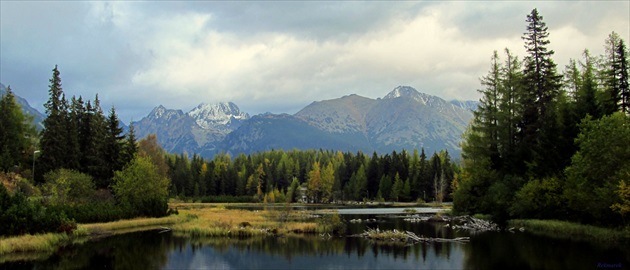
{"x": 194, "y": 219}
{"x": 570, "y": 230}
{"x": 51, "y": 241}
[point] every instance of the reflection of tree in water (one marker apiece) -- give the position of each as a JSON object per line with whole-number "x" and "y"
{"x": 494, "y": 250}
{"x": 315, "y": 246}
{"x": 128, "y": 251}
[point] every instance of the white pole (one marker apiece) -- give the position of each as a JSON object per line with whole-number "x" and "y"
{"x": 34, "y": 152}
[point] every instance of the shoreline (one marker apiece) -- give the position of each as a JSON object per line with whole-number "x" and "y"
{"x": 221, "y": 220}
{"x": 559, "y": 229}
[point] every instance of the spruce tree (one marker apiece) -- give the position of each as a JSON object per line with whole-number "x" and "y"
{"x": 130, "y": 148}
{"x": 53, "y": 143}
{"x": 113, "y": 145}
{"x": 611, "y": 97}
{"x": 17, "y": 131}
{"x": 586, "y": 100}
{"x": 540, "y": 128}
{"x": 622, "y": 75}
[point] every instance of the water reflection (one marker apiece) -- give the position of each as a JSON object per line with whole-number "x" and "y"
{"x": 494, "y": 250}
{"x": 312, "y": 253}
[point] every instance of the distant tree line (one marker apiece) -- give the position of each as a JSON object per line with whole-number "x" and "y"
{"x": 545, "y": 144}
{"x": 327, "y": 176}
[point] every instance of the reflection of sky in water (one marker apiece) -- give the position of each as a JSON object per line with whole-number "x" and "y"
{"x": 207, "y": 257}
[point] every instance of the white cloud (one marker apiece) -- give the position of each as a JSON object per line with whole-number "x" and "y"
{"x": 279, "y": 58}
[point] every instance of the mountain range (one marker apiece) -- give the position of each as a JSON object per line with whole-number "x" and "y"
{"x": 402, "y": 119}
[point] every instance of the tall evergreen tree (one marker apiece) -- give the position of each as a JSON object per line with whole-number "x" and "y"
{"x": 486, "y": 116}
{"x": 53, "y": 143}
{"x": 622, "y": 75}
{"x": 509, "y": 111}
{"x": 113, "y": 145}
{"x": 539, "y": 125}
{"x": 586, "y": 96}
{"x": 610, "y": 72}
{"x": 130, "y": 148}
{"x": 17, "y": 133}
{"x": 75, "y": 114}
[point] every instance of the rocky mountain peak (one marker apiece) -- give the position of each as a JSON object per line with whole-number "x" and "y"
{"x": 209, "y": 115}
{"x": 161, "y": 112}
{"x": 408, "y": 92}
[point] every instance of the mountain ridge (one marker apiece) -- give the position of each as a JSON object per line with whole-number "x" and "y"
{"x": 402, "y": 119}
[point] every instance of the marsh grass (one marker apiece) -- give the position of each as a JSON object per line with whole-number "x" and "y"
{"x": 194, "y": 219}
{"x": 570, "y": 230}
{"x": 51, "y": 241}
{"x": 218, "y": 221}
{"x": 39, "y": 242}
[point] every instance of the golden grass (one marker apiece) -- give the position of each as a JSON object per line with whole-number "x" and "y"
{"x": 50, "y": 241}
{"x": 38, "y": 242}
{"x": 194, "y": 219}
{"x": 218, "y": 221}
{"x": 123, "y": 226}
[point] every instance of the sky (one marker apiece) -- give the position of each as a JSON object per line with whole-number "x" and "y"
{"x": 280, "y": 56}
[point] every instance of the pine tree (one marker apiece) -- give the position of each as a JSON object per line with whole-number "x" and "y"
{"x": 53, "y": 143}
{"x": 622, "y": 75}
{"x": 541, "y": 88}
{"x": 585, "y": 98}
{"x": 130, "y": 148}
{"x": 113, "y": 146}
{"x": 17, "y": 131}
{"x": 75, "y": 114}
{"x": 610, "y": 72}
{"x": 486, "y": 117}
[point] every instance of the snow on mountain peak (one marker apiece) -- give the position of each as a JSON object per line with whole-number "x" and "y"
{"x": 161, "y": 112}
{"x": 408, "y": 92}
{"x": 209, "y": 115}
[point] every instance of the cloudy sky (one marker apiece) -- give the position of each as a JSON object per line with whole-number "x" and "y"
{"x": 276, "y": 56}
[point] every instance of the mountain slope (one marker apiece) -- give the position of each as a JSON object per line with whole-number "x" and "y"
{"x": 197, "y": 131}
{"x": 404, "y": 118}
{"x": 38, "y": 117}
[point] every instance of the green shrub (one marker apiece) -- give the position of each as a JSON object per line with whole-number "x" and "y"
{"x": 21, "y": 215}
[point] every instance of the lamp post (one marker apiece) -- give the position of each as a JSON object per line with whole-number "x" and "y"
{"x": 34, "y": 152}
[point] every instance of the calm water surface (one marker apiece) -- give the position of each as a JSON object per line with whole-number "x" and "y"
{"x": 492, "y": 250}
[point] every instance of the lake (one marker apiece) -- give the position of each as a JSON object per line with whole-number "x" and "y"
{"x": 489, "y": 250}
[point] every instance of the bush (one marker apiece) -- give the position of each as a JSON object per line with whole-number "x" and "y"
{"x": 332, "y": 223}
{"x": 139, "y": 186}
{"x": 20, "y": 215}
{"x": 68, "y": 187}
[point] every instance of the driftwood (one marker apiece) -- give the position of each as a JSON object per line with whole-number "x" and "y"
{"x": 474, "y": 224}
{"x": 466, "y": 223}
{"x": 406, "y": 237}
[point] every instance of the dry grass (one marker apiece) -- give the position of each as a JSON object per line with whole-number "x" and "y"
{"x": 124, "y": 226}
{"x": 194, "y": 219}
{"x": 50, "y": 241}
{"x": 218, "y": 221}
{"x": 39, "y": 242}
